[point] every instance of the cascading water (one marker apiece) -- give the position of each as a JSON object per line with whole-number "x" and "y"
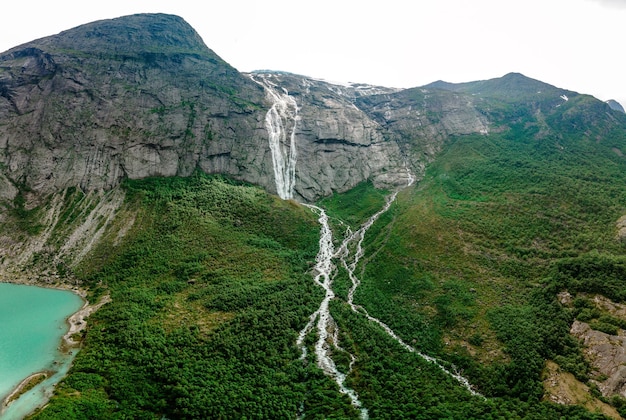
{"x": 343, "y": 253}
{"x": 280, "y": 122}
{"x": 282, "y": 115}
{"x": 325, "y": 323}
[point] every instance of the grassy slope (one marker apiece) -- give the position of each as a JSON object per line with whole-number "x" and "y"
{"x": 479, "y": 250}
{"x": 208, "y": 292}
{"x": 211, "y": 286}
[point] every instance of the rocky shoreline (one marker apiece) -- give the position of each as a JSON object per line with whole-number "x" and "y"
{"x": 76, "y": 322}
{"x": 26, "y": 385}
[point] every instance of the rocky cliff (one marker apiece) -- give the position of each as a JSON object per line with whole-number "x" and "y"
{"x": 131, "y": 97}
{"x": 143, "y": 96}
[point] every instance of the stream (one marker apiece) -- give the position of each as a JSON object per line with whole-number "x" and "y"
{"x": 281, "y": 122}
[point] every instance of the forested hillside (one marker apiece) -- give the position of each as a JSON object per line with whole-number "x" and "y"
{"x": 213, "y": 283}
{"x": 447, "y": 251}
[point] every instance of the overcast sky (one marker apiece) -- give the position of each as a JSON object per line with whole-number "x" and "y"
{"x": 572, "y": 44}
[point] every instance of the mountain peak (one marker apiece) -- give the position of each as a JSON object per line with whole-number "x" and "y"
{"x": 615, "y": 106}
{"x": 510, "y": 87}
{"x": 139, "y": 33}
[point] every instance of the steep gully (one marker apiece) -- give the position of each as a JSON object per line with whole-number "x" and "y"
{"x": 281, "y": 122}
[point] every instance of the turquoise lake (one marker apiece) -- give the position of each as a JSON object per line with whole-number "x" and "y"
{"x": 33, "y": 322}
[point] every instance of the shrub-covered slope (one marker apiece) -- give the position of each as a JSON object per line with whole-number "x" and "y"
{"x": 481, "y": 249}
{"x": 207, "y": 288}
{"x": 514, "y": 234}
{"x": 212, "y": 283}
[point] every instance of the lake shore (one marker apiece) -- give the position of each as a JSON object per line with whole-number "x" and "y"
{"x": 76, "y": 323}
{"x": 38, "y": 281}
{"x": 27, "y": 384}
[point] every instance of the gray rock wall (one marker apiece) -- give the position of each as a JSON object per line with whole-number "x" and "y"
{"x": 142, "y": 96}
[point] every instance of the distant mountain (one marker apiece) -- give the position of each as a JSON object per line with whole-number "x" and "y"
{"x": 616, "y": 106}
{"x": 512, "y": 87}
{"x": 543, "y": 108}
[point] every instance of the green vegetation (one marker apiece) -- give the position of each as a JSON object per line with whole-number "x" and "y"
{"x": 208, "y": 293}
{"x": 211, "y": 280}
{"x": 355, "y": 206}
{"x": 26, "y": 220}
{"x": 476, "y": 255}
{"x": 212, "y": 284}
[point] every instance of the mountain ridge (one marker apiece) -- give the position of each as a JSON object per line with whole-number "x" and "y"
{"x": 73, "y": 115}
{"x": 143, "y": 32}
{"x": 149, "y": 172}
{"x": 145, "y": 96}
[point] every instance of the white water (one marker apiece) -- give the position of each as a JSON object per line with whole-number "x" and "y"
{"x": 344, "y": 254}
{"x": 325, "y": 270}
{"x": 282, "y": 115}
{"x": 349, "y": 254}
{"x": 410, "y": 178}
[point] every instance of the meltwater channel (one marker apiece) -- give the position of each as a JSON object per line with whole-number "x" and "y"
{"x": 33, "y": 321}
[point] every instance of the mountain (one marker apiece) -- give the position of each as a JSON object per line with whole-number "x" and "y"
{"x": 110, "y": 100}
{"x": 616, "y": 106}
{"x": 143, "y": 96}
{"x": 273, "y": 245}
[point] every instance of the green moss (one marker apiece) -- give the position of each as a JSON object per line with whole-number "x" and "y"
{"x": 26, "y": 220}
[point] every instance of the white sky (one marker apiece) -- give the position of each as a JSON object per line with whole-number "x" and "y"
{"x": 572, "y": 44}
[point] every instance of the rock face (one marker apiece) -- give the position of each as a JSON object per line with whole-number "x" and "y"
{"x": 608, "y": 356}
{"x": 143, "y": 96}
{"x": 338, "y": 144}
{"x": 131, "y": 97}
{"x": 616, "y": 106}
{"x": 421, "y": 119}
{"x": 605, "y": 352}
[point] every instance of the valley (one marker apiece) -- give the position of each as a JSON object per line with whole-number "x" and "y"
{"x": 270, "y": 245}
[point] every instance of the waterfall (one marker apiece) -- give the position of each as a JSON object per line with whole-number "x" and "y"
{"x": 280, "y": 123}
